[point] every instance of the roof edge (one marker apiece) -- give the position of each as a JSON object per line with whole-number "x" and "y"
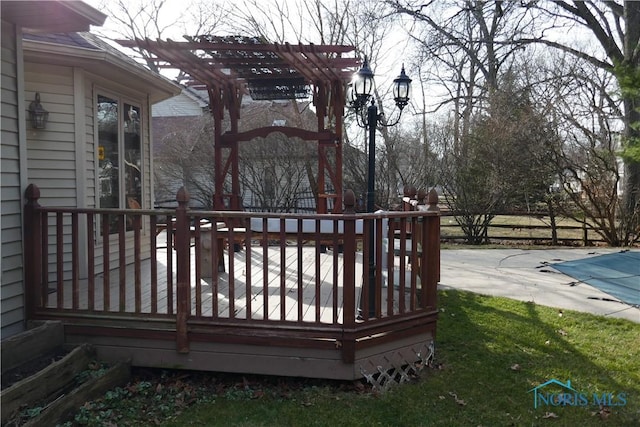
{"x": 87, "y": 58}
{"x": 93, "y": 15}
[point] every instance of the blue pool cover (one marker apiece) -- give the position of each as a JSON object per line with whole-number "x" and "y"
{"x": 616, "y": 274}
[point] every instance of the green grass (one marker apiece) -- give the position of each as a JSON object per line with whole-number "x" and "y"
{"x": 489, "y": 353}
{"x": 515, "y": 226}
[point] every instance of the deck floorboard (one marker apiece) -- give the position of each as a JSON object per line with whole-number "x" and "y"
{"x": 301, "y": 266}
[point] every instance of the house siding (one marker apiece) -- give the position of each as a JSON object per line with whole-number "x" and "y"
{"x": 179, "y": 106}
{"x": 89, "y": 146}
{"x": 147, "y": 188}
{"x": 51, "y": 152}
{"x": 11, "y": 279}
{"x": 62, "y": 158}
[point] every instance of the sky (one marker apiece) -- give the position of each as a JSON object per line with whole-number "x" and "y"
{"x": 388, "y": 68}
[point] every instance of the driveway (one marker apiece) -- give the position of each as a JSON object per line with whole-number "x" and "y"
{"x": 529, "y": 275}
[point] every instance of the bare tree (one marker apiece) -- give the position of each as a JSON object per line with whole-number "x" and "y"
{"x": 183, "y": 157}
{"x": 314, "y": 21}
{"x": 272, "y": 174}
{"x": 504, "y": 167}
{"x": 153, "y": 19}
{"x": 275, "y": 170}
{"x": 578, "y": 96}
{"x": 363, "y": 24}
{"x": 475, "y": 55}
{"x": 616, "y": 27}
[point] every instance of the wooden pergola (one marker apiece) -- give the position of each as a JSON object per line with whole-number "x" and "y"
{"x": 230, "y": 67}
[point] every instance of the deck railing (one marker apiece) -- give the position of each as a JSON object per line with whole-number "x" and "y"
{"x": 267, "y": 276}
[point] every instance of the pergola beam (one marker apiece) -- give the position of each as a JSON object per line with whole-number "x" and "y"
{"x": 229, "y": 66}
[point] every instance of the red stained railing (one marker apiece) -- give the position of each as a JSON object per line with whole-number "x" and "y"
{"x": 305, "y": 273}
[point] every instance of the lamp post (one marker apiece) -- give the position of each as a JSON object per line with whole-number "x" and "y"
{"x": 360, "y": 94}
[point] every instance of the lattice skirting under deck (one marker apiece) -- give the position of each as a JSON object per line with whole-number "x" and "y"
{"x": 399, "y": 366}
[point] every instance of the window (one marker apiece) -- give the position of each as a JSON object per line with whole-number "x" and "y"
{"x": 119, "y": 155}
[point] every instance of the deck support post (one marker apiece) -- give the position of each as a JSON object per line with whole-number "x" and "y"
{"x": 33, "y": 251}
{"x": 183, "y": 291}
{"x": 349, "y": 279}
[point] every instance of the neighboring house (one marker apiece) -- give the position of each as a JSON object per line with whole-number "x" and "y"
{"x": 95, "y": 150}
{"x": 178, "y": 124}
{"x": 270, "y": 179}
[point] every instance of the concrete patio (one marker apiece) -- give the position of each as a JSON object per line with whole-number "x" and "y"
{"x": 529, "y": 275}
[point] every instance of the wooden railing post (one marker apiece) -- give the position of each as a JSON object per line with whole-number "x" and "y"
{"x": 183, "y": 288}
{"x": 349, "y": 279}
{"x": 422, "y": 195}
{"x": 585, "y": 234}
{"x": 431, "y": 253}
{"x": 409, "y": 193}
{"x": 33, "y": 251}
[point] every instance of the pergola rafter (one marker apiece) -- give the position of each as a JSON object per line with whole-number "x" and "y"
{"x": 233, "y": 66}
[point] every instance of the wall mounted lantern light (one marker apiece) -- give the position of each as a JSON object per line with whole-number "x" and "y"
{"x": 37, "y": 114}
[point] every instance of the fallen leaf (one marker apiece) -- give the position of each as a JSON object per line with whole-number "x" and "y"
{"x": 603, "y": 413}
{"x": 549, "y": 415}
{"x": 458, "y": 401}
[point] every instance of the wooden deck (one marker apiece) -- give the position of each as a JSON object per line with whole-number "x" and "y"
{"x": 292, "y": 288}
{"x": 290, "y": 292}
{"x": 317, "y": 304}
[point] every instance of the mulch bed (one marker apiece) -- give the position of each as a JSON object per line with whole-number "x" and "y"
{"x": 31, "y": 367}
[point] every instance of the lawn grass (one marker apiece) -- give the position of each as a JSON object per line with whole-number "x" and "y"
{"x": 490, "y": 352}
{"x": 522, "y": 227}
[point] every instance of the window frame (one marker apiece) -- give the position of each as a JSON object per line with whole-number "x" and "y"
{"x": 121, "y": 100}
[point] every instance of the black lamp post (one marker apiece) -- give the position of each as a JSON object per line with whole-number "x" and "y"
{"x": 359, "y": 94}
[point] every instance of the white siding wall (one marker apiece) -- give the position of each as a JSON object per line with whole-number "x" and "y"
{"x": 60, "y": 159}
{"x": 11, "y": 279}
{"x": 89, "y": 145}
{"x": 51, "y": 152}
{"x": 147, "y": 188}
{"x": 179, "y": 105}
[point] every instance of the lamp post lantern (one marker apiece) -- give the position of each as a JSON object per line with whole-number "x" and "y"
{"x": 360, "y": 93}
